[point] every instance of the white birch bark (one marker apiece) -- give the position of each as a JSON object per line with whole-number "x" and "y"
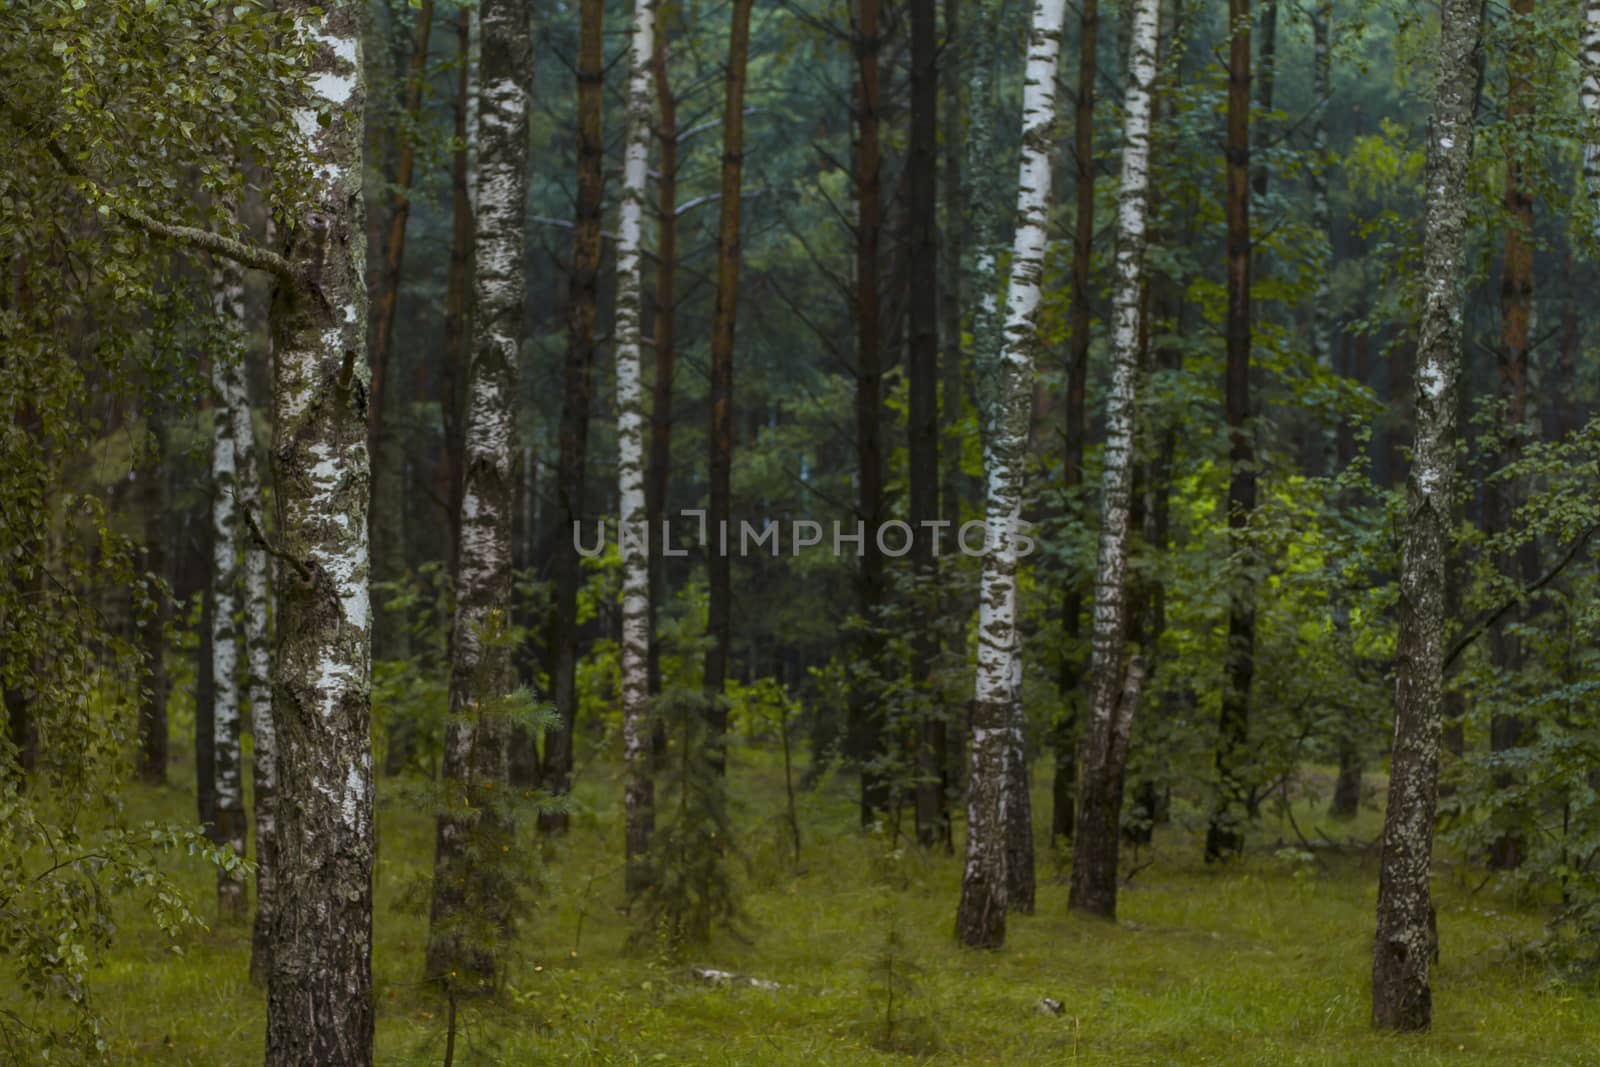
{"x": 633, "y": 536}
{"x": 1589, "y": 94}
{"x": 319, "y": 995}
{"x": 466, "y": 892}
{"x": 1114, "y": 675}
{"x": 1401, "y": 996}
{"x": 228, "y": 405}
{"x": 984, "y": 900}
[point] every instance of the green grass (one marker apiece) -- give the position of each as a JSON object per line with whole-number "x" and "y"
{"x": 1262, "y": 962}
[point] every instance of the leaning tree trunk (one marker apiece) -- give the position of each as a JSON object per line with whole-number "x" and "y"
{"x": 1401, "y": 995}
{"x": 470, "y": 890}
{"x": 1225, "y": 833}
{"x": 719, "y": 621}
{"x": 639, "y": 790}
{"x": 922, "y": 421}
{"x": 229, "y": 411}
{"x": 319, "y": 996}
{"x": 1008, "y": 385}
{"x": 865, "y": 728}
{"x": 578, "y": 376}
{"x": 1065, "y": 738}
{"x": 1116, "y": 674}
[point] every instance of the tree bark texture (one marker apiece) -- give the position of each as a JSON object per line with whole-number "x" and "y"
{"x": 1116, "y": 672}
{"x": 1225, "y": 833}
{"x": 997, "y": 769}
{"x": 639, "y": 790}
{"x": 1401, "y": 994}
{"x": 319, "y": 995}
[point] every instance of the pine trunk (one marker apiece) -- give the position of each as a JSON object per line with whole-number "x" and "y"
{"x": 865, "y": 732}
{"x": 997, "y": 818}
{"x": 1065, "y": 740}
{"x": 666, "y": 308}
{"x": 639, "y": 790}
{"x": 1225, "y": 833}
{"x": 1405, "y": 940}
{"x": 1516, "y": 313}
{"x": 578, "y": 384}
{"x": 390, "y": 629}
{"x": 922, "y": 429}
{"x": 719, "y": 623}
{"x": 1116, "y": 673}
{"x": 319, "y": 996}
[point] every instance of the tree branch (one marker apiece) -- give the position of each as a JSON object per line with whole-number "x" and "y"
{"x": 245, "y": 254}
{"x": 1493, "y": 617}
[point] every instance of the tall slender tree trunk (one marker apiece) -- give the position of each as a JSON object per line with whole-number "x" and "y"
{"x": 205, "y": 690}
{"x": 639, "y": 791}
{"x": 1225, "y": 833}
{"x": 922, "y": 428}
{"x": 1065, "y": 741}
{"x": 152, "y": 762}
{"x": 865, "y": 732}
{"x": 994, "y": 829}
{"x": 230, "y": 412}
{"x": 666, "y": 353}
{"x": 258, "y": 660}
{"x": 319, "y": 996}
{"x": 1401, "y": 996}
{"x": 470, "y": 894}
{"x": 719, "y": 624}
{"x": 578, "y": 385}
{"x": 1516, "y": 313}
{"x": 1589, "y": 96}
{"x": 951, "y": 378}
{"x": 1116, "y": 672}
{"x": 390, "y": 629}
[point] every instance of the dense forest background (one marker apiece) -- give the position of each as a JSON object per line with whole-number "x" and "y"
{"x": 365, "y": 367}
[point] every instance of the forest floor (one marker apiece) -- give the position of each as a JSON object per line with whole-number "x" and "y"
{"x": 1264, "y": 961}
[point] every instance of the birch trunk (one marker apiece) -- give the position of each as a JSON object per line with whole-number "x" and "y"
{"x": 258, "y": 685}
{"x": 1116, "y": 673}
{"x": 229, "y": 410}
{"x": 1401, "y": 995}
{"x": 639, "y": 791}
{"x": 1589, "y": 94}
{"x": 992, "y": 825}
{"x": 319, "y": 996}
{"x": 471, "y": 900}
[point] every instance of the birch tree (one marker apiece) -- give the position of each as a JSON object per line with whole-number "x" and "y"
{"x": 1008, "y": 382}
{"x": 471, "y": 906}
{"x": 1589, "y": 94}
{"x": 1401, "y": 994}
{"x": 229, "y": 407}
{"x": 638, "y": 796}
{"x": 319, "y": 996}
{"x": 1116, "y": 673}
{"x": 258, "y": 687}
